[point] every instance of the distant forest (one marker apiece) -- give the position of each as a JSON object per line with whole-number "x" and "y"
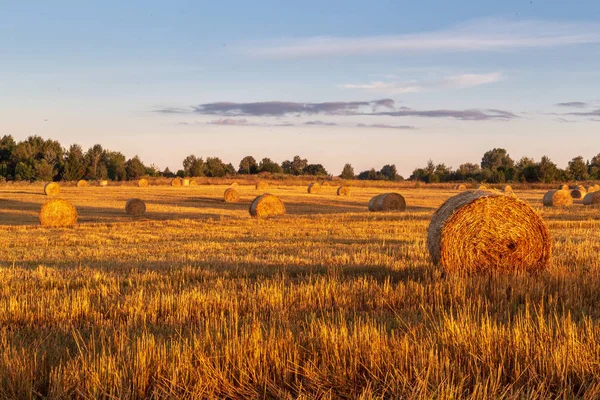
{"x": 37, "y": 159}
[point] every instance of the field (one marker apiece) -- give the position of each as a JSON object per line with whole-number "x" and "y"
{"x": 199, "y": 300}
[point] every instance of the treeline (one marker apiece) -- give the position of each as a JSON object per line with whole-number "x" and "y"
{"x": 497, "y": 167}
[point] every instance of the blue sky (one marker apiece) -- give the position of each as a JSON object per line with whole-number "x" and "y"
{"x": 275, "y": 79}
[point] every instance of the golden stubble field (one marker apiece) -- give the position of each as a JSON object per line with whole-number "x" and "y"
{"x": 199, "y": 300}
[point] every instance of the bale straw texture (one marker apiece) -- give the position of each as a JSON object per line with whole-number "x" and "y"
{"x": 234, "y": 184}
{"x": 185, "y": 182}
{"x": 461, "y": 188}
{"x": 82, "y": 183}
{"x": 578, "y": 193}
{"x": 488, "y": 231}
{"x": 558, "y": 198}
{"x": 387, "y": 202}
{"x": 143, "y": 182}
{"x": 52, "y": 189}
{"x": 482, "y": 187}
{"x": 135, "y": 207}
{"x": 57, "y": 213}
{"x": 103, "y": 182}
{"x": 592, "y": 189}
{"x": 231, "y": 196}
{"x": 267, "y": 205}
{"x": 507, "y": 189}
{"x": 314, "y": 187}
{"x": 592, "y": 199}
{"x": 564, "y": 187}
{"x": 176, "y": 182}
{"x": 262, "y": 185}
{"x": 344, "y": 191}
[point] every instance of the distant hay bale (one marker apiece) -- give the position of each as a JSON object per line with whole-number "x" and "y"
{"x": 387, "y": 202}
{"x": 578, "y": 193}
{"x": 231, "y": 196}
{"x": 52, "y": 189}
{"x": 461, "y": 188}
{"x": 193, "y": 182}
{"x": 176, "y": 182}
{"x": 262, "y": 185}
{"x": 481, "y": 231}
{"x": 592, "y": 188}
{"x": 143, "y": 183}
{"x": 185, "y": 182}
{"x": 564, "y": 187}
{"x": 482, "y": 187}
{"x": 234, "y": 184}
{"x": 135, "y": 207}
{"x": 57, "y": 213}
{"x": 82, "y": 183}
{"x": 267, "y": 205}
{"x": 314, "y": 187}
{"x": 103, "y": 182}
{"x": 558, "y": 198}
{"x": 344, "y": 191}
{"x": 592, "y": 199}
{"x": 507, "y": 189}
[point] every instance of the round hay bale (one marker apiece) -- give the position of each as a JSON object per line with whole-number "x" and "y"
{"x": 193, "y": 182}
{"x": 482, "y": 187}
{"x": 592, "y": 199}
{"x": 564, "y": 187}
{"x": 82, "y": 183}
{"x": 185, "y": 182}
{"x": 52, "y": 189}
{"x": 231, "y": 196}
{"x": 267, "y": 205}
{"x": 344, "y": 191}
{"x": 314, "y": 187}
{"x": 507, "y": 189}
{"x": 234, "y": 184}
{"x": 558, "y": 198}
{"x": 488, "y": 231}
{"x": 592, "y": 189}
{"x": 262, "y": 185}
{"x": 578, "y": 193}
{"x": 135, "y": 207}
{"x": 143, "y": 182}
{"x": 387, "y": 202}
{"x": 57, "y": 213}
{"x": 103, "y": 183}
{"x": 176, "y": 182}
{"x": 461, "y": 188}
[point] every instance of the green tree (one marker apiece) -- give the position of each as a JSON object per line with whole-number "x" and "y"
{"x": 248, "y": 166}
{"x": 194, "y": 166}
{"x": 295, "y": 166}
{"x": 24, "y": 172}
{"x": 7, "y": 146}
{"x": 115, "y": 165}
{"x": 547, "y": 171}
{"x": 134, "y": 168}
{"x": 215, "y": 167}
{"x": 314, "y": 169}
{"x": 389, "y": 172}
{"x": 577, "y": 169}
{"x": 267, "y": 165}
{"x": 93, "y": 157}
{"x": 74, "y": 163}
{"x": 495, "y": 159}
{"x": 347, "y": 172}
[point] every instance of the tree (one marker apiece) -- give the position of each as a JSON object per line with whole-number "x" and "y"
{"x": 93, "y": 157}
{"x": 496, "y": 159}
{"x": 526, "y": 170}
{"x": 546, "y": 170}
{"x": 115, "y": 165}
{"x": 594, "y": 168}
{"x": 577, "y": 169}
{"x": 389, "y": 172}
{"x": 24, "y": 172}
{"x": 7, "y": 146}
{"x": 267, "y": 165}
{"x": 134, "y": 168}
{"x": 194, "y": 166}
{"x": 74, "y": 164}
{"x": 294, "y": 167}
{"x": 248, "y": 166}
{"x": 314, "y": 169}
{"x": 347, "y": 172}
{"x": 215, "y": 167}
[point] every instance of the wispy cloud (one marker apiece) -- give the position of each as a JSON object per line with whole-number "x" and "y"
{"x": 229, "y": 121}
{"x": 491, "y": 34}
{"x": 463, "y": 115}
{"x": 573, "y": 104}
{"x": 320, "y": 123}
{"x": 594, "y": 113}
{"x": 451, "y": 82}
{"x": 385, "y": 126}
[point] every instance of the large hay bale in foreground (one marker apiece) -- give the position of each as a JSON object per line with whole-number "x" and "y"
{"x": 135, "y": 207}
{"x": 57, "y": 213}
{"x": 344, "y": 191}
{"x": 231, "y": 196}
{"x": 578, "y": 193}
{"x": 592, "y": 199}
{"x": 314, "y": 187}
{"x": 185, "y": 182}
{"x": 82, "y": 183}
{"x": 262, "y": 185}
{"x": 52, "y": 189}
{"x": 558, "y": 198}
{"x": 387, "y": 202}
{"x": 143, "y": 182}
{"x": 267, "y": 205}
{"x": 103, "y": 183}
{"x": 176, "y": 182}
{"x": 484, "y": 231}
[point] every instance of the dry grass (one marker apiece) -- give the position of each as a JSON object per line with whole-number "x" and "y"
{"x": 135, "y": 207}
{"x": 262, "y": 185}
{"x": 557, "y": 198}
{"x": 58, "y": 213}
{"x": 103, "y": 183}
{"x": 199, "y": 300}
{"x": 482, "y": 231}
{"x": 507, "y": 189}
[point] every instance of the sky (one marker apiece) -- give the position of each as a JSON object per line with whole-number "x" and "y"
{"x": 369, "y": 83}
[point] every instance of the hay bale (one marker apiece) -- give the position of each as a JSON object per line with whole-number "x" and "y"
{"x": 231, "y": 196}
{"x": 135, "y": 207}
{"x": 234, "y": 184}
{"x": 578, "y": 193}
{"x": 314, "y": 187}
{"x": 262, "y": 185}
{"x": 185, "y": 182}
{"x": 592, "y": 188}
{"x": 507, "y": 189}
{"x": 57, "y": 213}
{"x": 482, "y": 187}
{"x": 481, "y": 231}
{"x": 193, "y": 182}
{"x": 176, "y": 182}
{"x": 592, "y": 199}
{"x": 52, "y": 189}
{"x": 143, "y": 183}
{"x": 564, "y": 187}
{"x": 82, "y": 183}
{"x": 387, "y": 202}
{"x": 103, "y": 183}
{"x": 267, "y": 205}
{"x": 344, "y": 191}
{"x": 558, "y": 198}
